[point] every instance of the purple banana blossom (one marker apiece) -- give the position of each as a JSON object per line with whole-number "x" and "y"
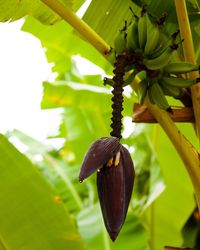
{"x": 115, "y": 178}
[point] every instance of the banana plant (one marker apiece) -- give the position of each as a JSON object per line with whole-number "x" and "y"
{"x": 187, "y": 152}
{"x": 142, "y": 45}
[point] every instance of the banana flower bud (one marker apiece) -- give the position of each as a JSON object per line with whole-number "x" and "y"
{"x": 115, "y": 178}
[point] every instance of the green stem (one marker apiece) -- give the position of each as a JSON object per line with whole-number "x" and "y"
{"x": 105, "y": 239}
{"x": 186, "y": 151}
{"x": 78, "y": 24}
{"x": 189, "y": 54}
{"x": 151, "y": 226}
{"x": 152, "y": 207}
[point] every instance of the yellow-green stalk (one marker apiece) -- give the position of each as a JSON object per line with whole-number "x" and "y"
{"x": 189, "y": 55}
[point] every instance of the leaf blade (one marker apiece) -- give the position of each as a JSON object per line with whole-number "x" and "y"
{"x": 31, "y": 214}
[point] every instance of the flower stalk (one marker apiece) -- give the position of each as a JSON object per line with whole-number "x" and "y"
{"x": 189, "y": 55}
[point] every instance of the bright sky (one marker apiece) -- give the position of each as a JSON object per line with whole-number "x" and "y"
{"x": 23, "y": 67}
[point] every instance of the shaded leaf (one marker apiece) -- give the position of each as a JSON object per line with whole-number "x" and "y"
{"x": 191, "y": 230}
{"x": 90, "y": 222}
{"x": 149, "y": 183}
{"x": 62, "y": 175}
{"x": 133, "y": 235}
{"x": 176, "y": 204}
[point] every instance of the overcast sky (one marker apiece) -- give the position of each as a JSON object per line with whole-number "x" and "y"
{"x": 23, "y": 67}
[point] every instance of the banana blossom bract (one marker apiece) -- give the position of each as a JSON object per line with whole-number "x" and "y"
{"x": 115, "y": 178}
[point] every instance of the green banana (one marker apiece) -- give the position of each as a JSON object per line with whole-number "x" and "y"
{"x": 158, "y": 96}
{"x": 142, "y": 90}
{"x": 160, "y": 61}
{"x": 120, "y": 42}
{"x": 153, "y": 36}
{"x": 142, "y": 30}
{"x": 132, "y": 36}
{"x": 158, "y": 51}
{"x": 178, "y": 82}
{"x": 165, "y": 42}
{"x": 171, "y": 90}
{"x": 163, "y": 45}
{"x": 181, "y": 67}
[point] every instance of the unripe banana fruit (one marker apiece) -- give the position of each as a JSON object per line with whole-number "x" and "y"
{"x": 160, "y": 61}
{"x": 153, "y": 36}
{"x": 178, "y": 82}
{"x": 181, "y": 67}
{"x": 142, "y": 30}
{"x": 120, "y": 42}
{"x": 171, "y": 90}
{"x": 132, "y": 36}
{"x": 158, "y": 97}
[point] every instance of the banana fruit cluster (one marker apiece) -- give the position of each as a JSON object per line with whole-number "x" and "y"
{"x": 153, "y": 51}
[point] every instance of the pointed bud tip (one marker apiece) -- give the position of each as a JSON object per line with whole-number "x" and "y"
{"x": 80, "y": 179}
{"x": 113, "y": 235}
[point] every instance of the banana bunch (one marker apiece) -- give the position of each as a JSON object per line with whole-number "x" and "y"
{"x": 152, "y": 50}
{"x": 144, "y": 36}
{"x": 167, "y": 83}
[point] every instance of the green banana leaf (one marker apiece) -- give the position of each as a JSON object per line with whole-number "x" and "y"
{"x": 31, "y": 213}
{"x": 11, "y": 10}
{"x": 165, "y": 217}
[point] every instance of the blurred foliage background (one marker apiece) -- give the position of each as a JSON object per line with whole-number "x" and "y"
{"x": 43, "y": 206}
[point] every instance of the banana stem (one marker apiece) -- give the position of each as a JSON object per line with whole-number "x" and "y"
{"x": 78, "y": 24}
{"x": 189, "y": 54}
{"x": 187, "y": 153}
